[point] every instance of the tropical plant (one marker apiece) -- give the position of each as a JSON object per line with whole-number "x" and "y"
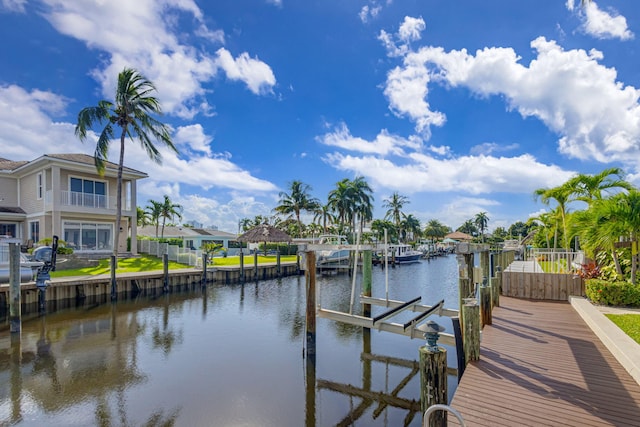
{"x": 378, "y": 226}
{"x": 436, "y": 230}
{"x": 154, "y": 212}
{"x": 352, "y": 202}
{"x": 142, "y": 217}
{"x": 562, "y": 195}
{"x": 395, "y": 203}
{"x": 591, "y": 187}
{"x": 481, "y": 221}
{"x": 323, "y": 214}
{"x": 468, "y": 227}
{"x": 296, "y": 201}
{"x": 411, "y": 227}
{"x": 132, "y": 112}
{"x": 169, "y": 211}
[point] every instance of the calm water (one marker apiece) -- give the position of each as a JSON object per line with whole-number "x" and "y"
{"x": 230, "y": 356}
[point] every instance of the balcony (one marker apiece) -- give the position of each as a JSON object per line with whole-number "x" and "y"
{"x": 86, "y": 200}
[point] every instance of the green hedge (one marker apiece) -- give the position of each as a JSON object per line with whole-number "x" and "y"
{"x": 613, "y": 293}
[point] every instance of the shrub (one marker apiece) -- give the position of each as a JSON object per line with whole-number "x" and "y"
{"x": 612, "y": 293}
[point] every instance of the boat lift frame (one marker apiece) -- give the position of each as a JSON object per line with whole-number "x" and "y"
{"x": 380, "y": 322}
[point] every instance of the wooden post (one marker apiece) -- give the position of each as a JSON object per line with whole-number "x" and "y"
{"x": 457, "y": 333}
{"x": 465, "y": 274}
{"x": 471, "y": 331}
{"x": 496, "y": 285}
{"x": 310, "y": 274}
{"x": 366, "y": 280}
{"x": 114, "y": 283}
{"x": 204, "y": 270}
{"x": 241, "y": 266}
{"x": 278, "y": 271}
{"x": 485, "y": 304}
{"x": 484, "y": 263}
{"x": 433, "y": 383}
{"x": 255, "y": 265}
{"x": 165, "y": 269}
{"x": 15, "y": 310}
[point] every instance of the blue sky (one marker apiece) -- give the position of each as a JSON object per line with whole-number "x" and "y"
{"x": 463, "y": 107}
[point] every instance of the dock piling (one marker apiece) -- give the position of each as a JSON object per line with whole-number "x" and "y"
{"x": 114, "y": 282}
{"x": 471, "y": 330}
{"x": 15, "y": 310}
{"x": 433, "y": 374}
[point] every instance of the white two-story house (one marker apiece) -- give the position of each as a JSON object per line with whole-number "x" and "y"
{"x": 63, "y": 195}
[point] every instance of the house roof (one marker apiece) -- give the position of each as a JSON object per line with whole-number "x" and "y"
{"x": 78, "y": 159}
{"x": 458, "y": 235}
{"x": 11, "y": 209}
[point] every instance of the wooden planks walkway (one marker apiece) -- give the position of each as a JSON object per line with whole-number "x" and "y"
{"x": 541, "y": 365}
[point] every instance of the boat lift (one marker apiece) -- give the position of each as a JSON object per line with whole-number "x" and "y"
{"x": 381, "y": 322}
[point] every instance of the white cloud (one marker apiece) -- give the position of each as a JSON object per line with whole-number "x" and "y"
{"x": 275, "y": 2}
{"x": 369, "y": 12}
{"x": 27, "y": 128}
{"x": 487, "y": 148}
{"x": 13, "y": 5}
{"x": 384, "y": 143}
{"x": 468, "y": 174}
{"x": 254, "y": 73}
{"x": 411, "y": 29}
{"x": 141, "y": 35}
{"x": 595, "y": 116}
{"x": 604, "y": 25}
{"x": 193, "y": 136}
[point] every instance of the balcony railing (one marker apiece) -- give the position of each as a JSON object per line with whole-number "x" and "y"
{"x": 86, "y": 200}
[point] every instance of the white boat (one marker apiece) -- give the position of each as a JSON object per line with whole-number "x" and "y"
{"x": 27, "y": 267}
{"x": 326, "y": 258}
{"x": 402, "y": 253}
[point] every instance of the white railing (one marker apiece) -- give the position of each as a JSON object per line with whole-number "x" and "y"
{"x": 558, "y": 261}
{"x": 175, "y": 252}
{"x": 87, "y": 200}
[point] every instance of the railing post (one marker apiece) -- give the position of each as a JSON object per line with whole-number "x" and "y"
{"x": 471, "y": 330}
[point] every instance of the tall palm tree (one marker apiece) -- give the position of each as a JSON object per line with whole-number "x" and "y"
{"x": 395, "y": 203}
{"x": 132, "y": 112}
{"x": 362, "y": 202}
{"x": 296, "y": 201}
{"x": 142, "y": 217}
{"x": 169, "y": 211}
{"x": 340, "y": 201}
{"x": 481, "y": 220}
{"x": 154, "y": 211}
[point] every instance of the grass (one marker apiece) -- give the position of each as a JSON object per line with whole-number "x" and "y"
{"x": 629, "y": 323}
{"x": 150, "y": 263}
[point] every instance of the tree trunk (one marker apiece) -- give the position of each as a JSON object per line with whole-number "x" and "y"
{"x": 116, "y": 237}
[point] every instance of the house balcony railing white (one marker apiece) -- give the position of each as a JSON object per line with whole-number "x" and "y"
{"x": 86, "y": 200}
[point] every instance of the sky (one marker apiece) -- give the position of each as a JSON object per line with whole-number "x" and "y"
{"x": 463, "y": 107}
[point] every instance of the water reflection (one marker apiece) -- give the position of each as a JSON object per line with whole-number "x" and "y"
{"x": 228, "y": 355}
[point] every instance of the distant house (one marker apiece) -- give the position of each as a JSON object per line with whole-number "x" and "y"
{"x": 63, "y": 195}
{"x": 192, "y": 237}
{"x": 459, "y": 236}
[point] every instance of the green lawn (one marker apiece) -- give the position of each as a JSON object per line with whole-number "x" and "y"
{"x": 629, "y": 323}
{"x": 151, "y": 263}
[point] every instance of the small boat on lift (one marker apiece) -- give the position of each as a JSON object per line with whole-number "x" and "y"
{"x": 401, "y": 252}
{"x": 328, "y": 258}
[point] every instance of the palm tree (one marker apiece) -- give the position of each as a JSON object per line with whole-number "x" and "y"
{"x": 411, "y": 226}
{"x": 590, "y": 187}
{"x": 468, "y": 227}
{"x": 168, "y": 211}
{"x": 378, "y": 226}
{"x": 481, "y": 220}
{"x": 296, "y": 201}
{"x": 132, "y": 112}
{"x": 435, "y": 229}
{"x": 395, "y": 203}
{"x": 323, "y": 214}
{"x": 562, "y": 196}
{"x": 154, "y": 212}
{"x": 362, "y": 201}
{"x": 142, "y": 217}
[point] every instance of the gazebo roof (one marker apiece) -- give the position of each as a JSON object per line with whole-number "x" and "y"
{"x": 265, "y": 233}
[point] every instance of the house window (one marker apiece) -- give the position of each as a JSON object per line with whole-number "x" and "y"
{"x": 88, "y": 236}
{"x": 8, "y": 230}
{"x": 34, "y": 231}
{"x": 87, "y": 192}
{"x": 39, "y": 186}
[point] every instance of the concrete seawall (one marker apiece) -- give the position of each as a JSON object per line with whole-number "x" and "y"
{"x": 99, "y": 287}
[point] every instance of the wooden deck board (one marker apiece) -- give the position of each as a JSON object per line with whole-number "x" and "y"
{"x": 541, "y": 365}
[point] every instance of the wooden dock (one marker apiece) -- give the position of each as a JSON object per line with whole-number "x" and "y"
{"x": 541, "y": 365}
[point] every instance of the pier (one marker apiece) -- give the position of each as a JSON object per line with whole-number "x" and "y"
{"x": 541, "y": 365}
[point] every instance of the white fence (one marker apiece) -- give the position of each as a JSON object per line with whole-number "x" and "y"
{"x": 558, "y": 261}
{"x": 175, "y": 252}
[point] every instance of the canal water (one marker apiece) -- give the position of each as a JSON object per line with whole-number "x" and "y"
{"x": 232, "y": 355}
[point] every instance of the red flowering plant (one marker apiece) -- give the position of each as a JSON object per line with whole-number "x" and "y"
{"x": 589, "y": 271}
